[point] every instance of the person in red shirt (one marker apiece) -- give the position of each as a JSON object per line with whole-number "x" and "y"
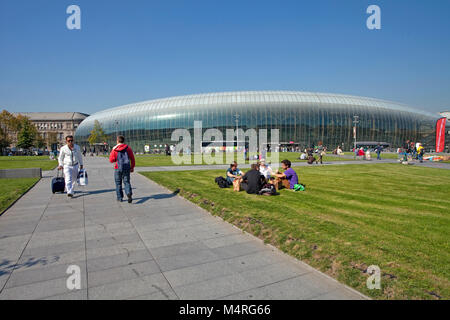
{"x": 123, "y": 158}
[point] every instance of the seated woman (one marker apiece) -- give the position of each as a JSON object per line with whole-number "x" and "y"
{"x": 288, "y": 174}
{"x": 265, "y": 170}
{"x": 233, "y": 172}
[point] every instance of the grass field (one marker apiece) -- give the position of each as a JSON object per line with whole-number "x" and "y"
{"x": 349, "y": 217}
{"x": 12, "y": 189}
{"x": 18, "y": 162}
{"x": 162, "y": 160}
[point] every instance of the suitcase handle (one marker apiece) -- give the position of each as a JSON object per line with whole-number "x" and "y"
{"x": 57, "y": 173}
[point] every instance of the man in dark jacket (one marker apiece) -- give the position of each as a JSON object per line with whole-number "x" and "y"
{"x": 123, "y": 158}
{"x": 251, "y": 181}
{"x": 378, "y": 150}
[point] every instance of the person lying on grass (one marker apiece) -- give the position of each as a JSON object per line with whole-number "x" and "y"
{"x": 288, "y": 174}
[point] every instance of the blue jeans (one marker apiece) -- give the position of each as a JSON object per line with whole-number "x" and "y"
{"x": 119, "y": 176}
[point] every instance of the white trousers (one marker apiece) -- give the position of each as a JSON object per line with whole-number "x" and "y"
{"x": 70, "y": 177}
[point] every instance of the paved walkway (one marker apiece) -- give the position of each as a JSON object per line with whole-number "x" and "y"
{"x": 160, "y": 247}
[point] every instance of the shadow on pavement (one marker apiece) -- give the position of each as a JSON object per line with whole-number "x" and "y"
{"x": 157, "y": 197}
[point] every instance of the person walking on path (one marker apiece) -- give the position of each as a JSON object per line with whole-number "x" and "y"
{"x": 378, "y": 150}
{"x": 69, "y": 160}
{"x": 123, "y": 158}
{"x": 420, "y": 152}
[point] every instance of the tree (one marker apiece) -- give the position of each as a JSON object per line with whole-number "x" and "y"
{"x": 4, "y": 140}
{"x": 40, "y": 141}
{"x": 9, "y": 126}
{"x": 26, "y": 137}
{"x": 97, "y": 134}
{"x": 52, "y": 138}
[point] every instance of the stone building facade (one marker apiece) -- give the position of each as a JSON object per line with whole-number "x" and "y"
{"x": 55, "y": 126}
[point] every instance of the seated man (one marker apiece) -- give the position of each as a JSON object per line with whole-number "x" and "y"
{"x": 251, "y": 181}
{"x": 288, "y": 174}
{"x": 233, "y": 172}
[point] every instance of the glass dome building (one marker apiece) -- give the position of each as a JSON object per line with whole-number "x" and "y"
{"x": 304, "y": 118}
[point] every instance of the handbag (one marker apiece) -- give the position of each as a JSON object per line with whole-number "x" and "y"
{"x": 82, "y": 178}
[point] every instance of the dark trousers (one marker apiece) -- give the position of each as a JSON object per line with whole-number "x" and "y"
{"x": 119, "y": 176}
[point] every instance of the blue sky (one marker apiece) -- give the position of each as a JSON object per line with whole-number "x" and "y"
{"x": 135, "y": 50}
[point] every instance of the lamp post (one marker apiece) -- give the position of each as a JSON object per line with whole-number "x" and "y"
{"x": 355, "y": 122}
{"x": 236, "y": 116}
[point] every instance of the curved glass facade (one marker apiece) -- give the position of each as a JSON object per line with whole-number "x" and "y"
{"x": 302, "y": 117}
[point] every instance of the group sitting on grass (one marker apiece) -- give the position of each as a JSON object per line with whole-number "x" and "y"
{"x": 261, "y": 179}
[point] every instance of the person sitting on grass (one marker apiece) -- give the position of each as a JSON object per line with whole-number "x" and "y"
{"x": 288, "y": 174}
{"x": 233, "y": 172}
{"x": 265, "y": 170}
{"x": 251, "y": 181}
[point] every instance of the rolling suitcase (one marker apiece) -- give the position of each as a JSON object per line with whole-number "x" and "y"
{"x": 58, "y": 183}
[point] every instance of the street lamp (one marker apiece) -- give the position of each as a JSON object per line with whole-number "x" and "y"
{"x": 355, "y": 123}
{"x": 236, "y": 115}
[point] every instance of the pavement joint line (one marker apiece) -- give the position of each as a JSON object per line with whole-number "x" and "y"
{"x": 265, "y": 285}
{"x": 37, "y": 282}
{"x": 304, "y": 264}
{"x": 26, "y": 245}
{"x": 43, "y": 281}
{"x": 85, "y": 249}
{"x": 145, "y": 245}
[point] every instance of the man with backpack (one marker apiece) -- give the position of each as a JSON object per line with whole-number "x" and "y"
{"x": 123, "y": 158}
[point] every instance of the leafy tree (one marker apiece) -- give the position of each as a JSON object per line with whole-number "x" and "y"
{"x": 26, "y": 138}
{"x": 97, "y": 134}
{"x": 52, "y": 138}
{"x": 8, "y": 121}
{"x": 4, "y": 139}
{"x": 40, "y": 141}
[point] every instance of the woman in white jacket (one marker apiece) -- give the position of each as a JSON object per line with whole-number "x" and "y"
{"x": 70, "y": 159}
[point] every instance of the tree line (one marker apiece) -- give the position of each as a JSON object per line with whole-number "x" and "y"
{"x": 19, "y": 130}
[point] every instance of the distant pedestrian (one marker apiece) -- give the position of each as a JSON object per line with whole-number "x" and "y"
{"x": 123, "y": 158}
{"x": 378, "y": 150}
{"x": 420, "y": 152}
{"x": 70, "y": 160}
{"x": 322, "y": 152}
{"x": 167, "y": 150}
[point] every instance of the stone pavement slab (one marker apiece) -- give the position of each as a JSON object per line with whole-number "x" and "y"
{"x": 159, "y": 247}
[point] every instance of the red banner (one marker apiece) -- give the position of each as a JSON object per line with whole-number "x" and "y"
{"x": 440, "y": 134}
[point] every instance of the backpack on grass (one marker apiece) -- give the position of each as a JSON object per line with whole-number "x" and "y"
{"x": 222, "y": 182}
{"x": 267, "y": 190}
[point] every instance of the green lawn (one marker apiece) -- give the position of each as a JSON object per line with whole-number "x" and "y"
{"x": 385, "y": 155}
{"x": 162, "y": 160}
{"x": 17, "y": 162}
{"x": 349, "y": 217}
{"x": 12, "y": 189}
